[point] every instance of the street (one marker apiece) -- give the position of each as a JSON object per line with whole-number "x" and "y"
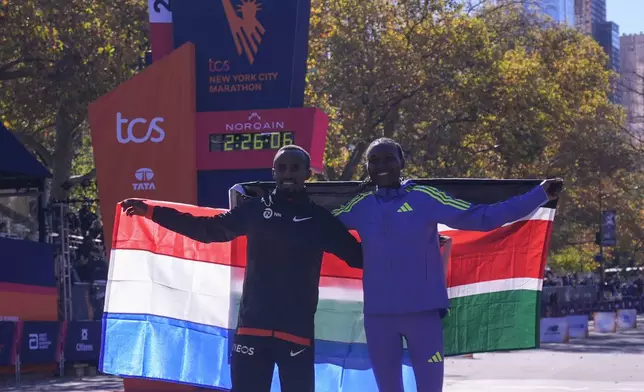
{"x": 601, "y": 363}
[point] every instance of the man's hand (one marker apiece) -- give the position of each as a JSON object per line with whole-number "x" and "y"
{"x": 134, "y": 207}
{"x": 553, "y": 188}
{"x": 444, "y": 240}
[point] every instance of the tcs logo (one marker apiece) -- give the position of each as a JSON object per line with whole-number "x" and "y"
{"x": 218, "y": 65}
{"x": 154, "y": 132}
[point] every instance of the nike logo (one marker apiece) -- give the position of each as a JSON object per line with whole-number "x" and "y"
{"x": 297, "y": 352}
{"x": 296, "y": 219}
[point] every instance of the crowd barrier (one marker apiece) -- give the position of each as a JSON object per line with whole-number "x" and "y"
{"x": 48, "y": 342}
{"x": 607, "y": 319}
{"x": 589, "y": 307}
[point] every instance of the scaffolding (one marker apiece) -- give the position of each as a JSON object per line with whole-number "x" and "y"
{"x": 59, "y": 236}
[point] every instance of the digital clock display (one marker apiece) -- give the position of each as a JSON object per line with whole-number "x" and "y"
{"x": 250, "y": 141}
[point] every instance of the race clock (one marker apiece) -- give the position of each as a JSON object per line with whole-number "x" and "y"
{"x": 249, "y": 139}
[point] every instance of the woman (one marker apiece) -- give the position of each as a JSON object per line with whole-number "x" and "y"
{"x": 404, "y": 277}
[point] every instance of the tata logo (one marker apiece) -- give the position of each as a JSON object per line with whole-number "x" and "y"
{"x": 154, "y": 133}
{"x": 553, "y": 328}
{"x": 255, "y": 123}
{"x": 246, "y": 30}
{"x": 144, "y": 178}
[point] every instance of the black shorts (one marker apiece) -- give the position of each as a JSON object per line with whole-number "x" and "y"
{"x": 253, "y": 360}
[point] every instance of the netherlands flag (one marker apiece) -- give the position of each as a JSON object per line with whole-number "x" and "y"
{"x": 171, "y": 302}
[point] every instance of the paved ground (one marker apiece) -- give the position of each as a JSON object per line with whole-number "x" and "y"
{"x": 601, "y": 363}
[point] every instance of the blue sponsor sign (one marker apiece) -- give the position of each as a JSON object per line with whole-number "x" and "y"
{"x": 7, "y": 338}
{"x": 39, "y": 342}
{"x": 250, "y": 54}
{"x": 83, "y": 341}
{"x": 609, "y": 228}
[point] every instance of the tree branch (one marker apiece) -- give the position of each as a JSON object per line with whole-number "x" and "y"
{"x": 75, "y": 180}
{"x": 31, "y": 142}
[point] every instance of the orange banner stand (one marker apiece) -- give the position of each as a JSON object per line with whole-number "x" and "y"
{"x": 143, "y": 134}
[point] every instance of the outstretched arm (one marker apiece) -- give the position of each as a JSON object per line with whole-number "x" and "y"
{"x": 220, "y": 228}
{"x": 462, "y": 215}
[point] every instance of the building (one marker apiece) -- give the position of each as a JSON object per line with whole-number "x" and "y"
{"x": 562, "y": 11}
{"x": 607, "y": 35}
{"x": 588, "y": 13}
{"x": 632, "y": 80}
{"x": 590, "y": 18}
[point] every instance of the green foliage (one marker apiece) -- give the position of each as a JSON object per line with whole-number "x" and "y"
{"x": 574, "y": 258}
{"x": 56, "y": 57}
{"x": 493, "y": 93}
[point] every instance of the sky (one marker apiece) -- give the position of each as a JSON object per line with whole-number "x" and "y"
{"x": 628, "y": 14}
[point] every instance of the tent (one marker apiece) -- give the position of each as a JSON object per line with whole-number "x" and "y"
{"x": 21, "y": 173}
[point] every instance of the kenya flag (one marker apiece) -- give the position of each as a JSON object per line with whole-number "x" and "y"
{"x": 494, "y": 285}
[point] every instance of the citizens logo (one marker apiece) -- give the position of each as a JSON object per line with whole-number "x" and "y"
{"x": 246, "y": 30}
{"x": 154, "y": 133}
{"x": 144, "y": 178}
{"x": 80, "y": 347}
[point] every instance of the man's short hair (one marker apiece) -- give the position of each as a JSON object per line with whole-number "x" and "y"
{"x": 294, "y": 147}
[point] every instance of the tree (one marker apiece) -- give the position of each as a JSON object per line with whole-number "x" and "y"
{"x": 56, "y": 57}
{"x": 578, "y": 258}
{"x": 492, "y": 92}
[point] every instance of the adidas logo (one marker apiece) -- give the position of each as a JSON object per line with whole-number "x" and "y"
{"x": 405, "y": 208}
{"x": 436, "y": 358}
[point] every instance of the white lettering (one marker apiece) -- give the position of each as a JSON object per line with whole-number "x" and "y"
{"x": 244, "y": 349}
{"x": 84, "y": 347}
{"x": 130, "y": 137}
{"x": 256, "y": 126}
{"x": 144, "y": 186}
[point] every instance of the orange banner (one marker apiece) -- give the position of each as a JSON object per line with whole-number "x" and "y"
{"x": 143, "y": 133}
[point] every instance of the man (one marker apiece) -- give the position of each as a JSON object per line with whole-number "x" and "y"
{"x": 287, "y": 234}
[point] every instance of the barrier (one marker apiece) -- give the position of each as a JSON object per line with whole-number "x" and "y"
{"x": 626, "y": 319}
{"x": 577, "y": 326}
{"x": 8, "y": 345}
{"x": 554, "y": 330}
{"x": 82, "y": 341}
{"x": 589, "y": 307}
{"x": 605, "y": 322}
{"x": 40, "y": 342}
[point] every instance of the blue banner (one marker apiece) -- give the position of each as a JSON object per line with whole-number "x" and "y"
{"x": 39, "y": 342}
{"x": 609, "y": 228}
{"x": 27, "y": 263}
{"x": 83, "y": 341}
{"x": 250, "y": 54}
{"x": 7, "y": 337}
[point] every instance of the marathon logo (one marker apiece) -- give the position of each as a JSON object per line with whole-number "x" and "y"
{"x": 244, "y": 349}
